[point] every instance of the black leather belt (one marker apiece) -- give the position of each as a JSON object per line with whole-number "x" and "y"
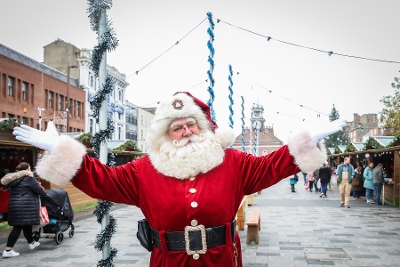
{"x": 198, "y": 237}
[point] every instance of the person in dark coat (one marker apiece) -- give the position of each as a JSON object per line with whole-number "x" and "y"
{"x": 358, "y": 182}
{"x": 324, "y": 174}
{"x": 23, "y": 206}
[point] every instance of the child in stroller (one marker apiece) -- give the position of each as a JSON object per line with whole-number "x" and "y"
{"x": 60, "y": 215}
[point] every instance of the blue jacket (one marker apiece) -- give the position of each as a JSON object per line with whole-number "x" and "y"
{"x": 368, "y": 178}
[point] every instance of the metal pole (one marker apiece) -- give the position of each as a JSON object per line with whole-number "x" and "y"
{"x": 103, "y": 115}
{"x": 40, "y": 117}
{"x": 68, "y": 82}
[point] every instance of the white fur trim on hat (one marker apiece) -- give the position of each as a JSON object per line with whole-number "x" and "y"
{"x": 177, "y": 106}
{"x": 61, "y": 164}
{"x": 308, "y": 155}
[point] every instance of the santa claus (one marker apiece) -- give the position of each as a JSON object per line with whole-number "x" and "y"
{"x": 189, "y": 165}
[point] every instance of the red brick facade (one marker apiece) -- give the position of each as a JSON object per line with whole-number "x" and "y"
{"x": 31, "y": 88}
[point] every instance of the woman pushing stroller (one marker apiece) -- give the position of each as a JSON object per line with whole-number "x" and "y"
{"x": 23, "y": 206}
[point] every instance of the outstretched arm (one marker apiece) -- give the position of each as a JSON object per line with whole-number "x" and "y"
{"x": 63, "y": 156}
{"x": 307, "y": 149}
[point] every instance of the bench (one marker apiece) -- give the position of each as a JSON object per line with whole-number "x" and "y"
{"x": 241, "y": 214}
{"x": 253, "y": 227}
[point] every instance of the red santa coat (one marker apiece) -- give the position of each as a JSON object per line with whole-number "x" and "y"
{"x": 169, "y": 204}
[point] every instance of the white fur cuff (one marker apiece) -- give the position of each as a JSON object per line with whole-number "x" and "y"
{"x": 308, "y": 155}
{"x": 61, "y": 164}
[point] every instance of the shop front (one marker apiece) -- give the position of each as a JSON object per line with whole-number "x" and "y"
{"x": 389, "y": 157}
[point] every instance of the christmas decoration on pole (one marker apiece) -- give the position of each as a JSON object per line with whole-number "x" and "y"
{"x": 107, "y": 41}
{"x": 211, "y": 61}
{"x": 243, "y": 143}
{"x": 230, "y": 97}
{"x": 257, "y": 126}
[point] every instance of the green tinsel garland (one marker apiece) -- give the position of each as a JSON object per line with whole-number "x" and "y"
{"x": 107, "y": 42}
{"x": 105, "y": 236}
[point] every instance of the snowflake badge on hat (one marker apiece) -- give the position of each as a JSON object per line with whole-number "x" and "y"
{"x": 177, "y": 104}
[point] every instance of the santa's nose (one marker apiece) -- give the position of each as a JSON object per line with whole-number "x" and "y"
{"x": 186, "y": 131}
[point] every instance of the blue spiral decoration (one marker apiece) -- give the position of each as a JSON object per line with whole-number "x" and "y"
{"x": 256, "y": 138}
{"x": 230, "y": 97}
{"x": 243, "y": 143}
{"x": 210, "y": 46}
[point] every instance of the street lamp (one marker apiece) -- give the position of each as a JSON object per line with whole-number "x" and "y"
{"x": 68, "y": 107}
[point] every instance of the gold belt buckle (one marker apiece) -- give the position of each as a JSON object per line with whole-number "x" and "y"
{"x": 202, "y": 230}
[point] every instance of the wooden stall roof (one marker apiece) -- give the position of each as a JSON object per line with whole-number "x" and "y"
{"x": 369, "y": 151}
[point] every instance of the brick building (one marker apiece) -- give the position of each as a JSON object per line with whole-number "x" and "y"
{"x": 27, "y": 86}
{"x": 259, "y": 139}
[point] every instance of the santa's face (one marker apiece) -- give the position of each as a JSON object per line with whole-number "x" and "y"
{"x": 182, "y": 128}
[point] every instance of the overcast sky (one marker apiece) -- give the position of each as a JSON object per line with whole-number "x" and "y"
{"x": 295, "y": 75}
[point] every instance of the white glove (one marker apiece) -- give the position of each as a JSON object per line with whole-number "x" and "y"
{"x": 328, "y": 129}
{"x": 45, "y": 140}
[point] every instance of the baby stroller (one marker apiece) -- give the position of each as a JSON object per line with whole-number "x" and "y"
{"x": 60, "y": 215}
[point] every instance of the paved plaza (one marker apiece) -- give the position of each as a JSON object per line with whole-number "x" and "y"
{"x": 297, "y": 229}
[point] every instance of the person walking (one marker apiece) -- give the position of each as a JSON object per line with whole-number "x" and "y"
{"x": 189, "y": 162}
{"x": 378, "y": 180}
{"x": 304, "y": 177}
{"x": 345, "y": 173}
{"x": 311, "y": 180}
{"x": 324, "y": 174}
{"x": 316, "y": 179}
{"x": 357, "y": 183}
{"x": 369, "y": 182}
{"x": 23, "y": 206}
{"x": 293, "y": 181}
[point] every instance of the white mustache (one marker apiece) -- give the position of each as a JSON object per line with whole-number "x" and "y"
{"x": 184, "y": 141}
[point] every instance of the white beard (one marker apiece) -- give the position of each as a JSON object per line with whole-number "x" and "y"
{"x": 184, "y": 159}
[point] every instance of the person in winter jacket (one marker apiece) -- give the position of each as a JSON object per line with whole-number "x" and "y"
{"x": 316, "y": 179}
{"x": 293, "y": 182}
{"x": 377, "y": 173}
{"x": 311, "y": 179}
{"x": 345, "y": 173}
{"x": 189, "y": 162}
{"x": 324, "y": 174}
{"x": 23, "y": 206}
{"x": 357, "y": 182}
{"x": 369, "y": 183}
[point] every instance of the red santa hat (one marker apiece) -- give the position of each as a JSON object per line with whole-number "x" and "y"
{"x": 184, "y": 105}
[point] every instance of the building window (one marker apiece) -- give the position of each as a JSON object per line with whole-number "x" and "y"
{"x": 24, "y": 90}
{"x": 25, "y": 120}
{"x": 119, "y": 95}
{"x": 51, "y": 98}
{"x": 10, "y": 86}
{"x": 141, "y": 120}
{"x": 60, "y": 103}
{"x": 119, "y": 133}
{"x": 91, "y": 81}
{"x": 119, "y": 116}
{"x": 78, "y": 109}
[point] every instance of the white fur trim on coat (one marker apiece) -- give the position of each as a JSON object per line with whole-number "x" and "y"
{"x": 308, "y": 155}
{"x": 61, "y": 164}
